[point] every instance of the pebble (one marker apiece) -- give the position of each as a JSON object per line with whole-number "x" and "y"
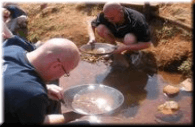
{"x": 186, "y": 85}
{"x": 169, "y": 107}
{"x": 170, "y": 90}
{"x": 168, "y": 112}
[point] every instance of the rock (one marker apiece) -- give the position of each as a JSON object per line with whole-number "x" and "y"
{"x": 171, "y": 90}
{"x": 168, "y": 112}
{"x": 186, "y": 85}
{"x": 169, "y": 107}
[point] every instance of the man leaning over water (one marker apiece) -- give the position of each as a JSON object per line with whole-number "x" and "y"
{"x": 26, "y": 72}
{"x": 117, "y": 23}
{"x": 122, "y": 24}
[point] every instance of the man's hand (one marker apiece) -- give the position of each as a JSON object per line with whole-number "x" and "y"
{"x": 6, "y": 33}
{"x": 131, "y": 47}
{"x": 6, "y": 14}
{"x": 120, "y": 48}
{"x": 53, "y": 119}
{"x": 91, "y": 31}
{"x": 91, "y": 41}
{"x": 55, "y": 92}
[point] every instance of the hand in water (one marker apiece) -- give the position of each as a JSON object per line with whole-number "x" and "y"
{"x": 91, "y": 41}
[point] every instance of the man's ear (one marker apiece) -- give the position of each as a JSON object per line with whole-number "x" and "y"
{"x": 55, "y": 65}
{"x": 122, "y": 10}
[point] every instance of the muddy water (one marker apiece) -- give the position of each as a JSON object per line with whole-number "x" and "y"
{"x": 142, "y": 93}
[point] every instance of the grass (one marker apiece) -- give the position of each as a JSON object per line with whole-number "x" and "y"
{"x": 186, "y": 67}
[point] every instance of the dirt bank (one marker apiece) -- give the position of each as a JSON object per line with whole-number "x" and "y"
{"x": 173, "y": 45}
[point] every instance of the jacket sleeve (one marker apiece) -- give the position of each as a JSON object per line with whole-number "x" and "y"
{"x": 99, "y": 20}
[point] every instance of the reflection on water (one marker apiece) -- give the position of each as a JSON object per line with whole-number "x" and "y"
{"x": 132, "y": 84}
{"x": 94, "y": 119}
{"x": 102, "y": 103}
{"x": 171, "y": 78}
{"x": 143, "y": 93}
{"x": 91, "y": 87}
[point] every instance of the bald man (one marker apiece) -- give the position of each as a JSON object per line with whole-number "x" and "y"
{"x": 118, "y": 23}
{"x": 27, "y": 70}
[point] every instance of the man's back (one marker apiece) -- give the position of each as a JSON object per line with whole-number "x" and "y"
{"x": 24, "y": 91}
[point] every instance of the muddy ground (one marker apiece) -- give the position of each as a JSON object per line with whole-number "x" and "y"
{"x": 173, "y": 44}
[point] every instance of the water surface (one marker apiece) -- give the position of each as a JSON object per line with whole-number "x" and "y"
{"x": 142, "y": 93}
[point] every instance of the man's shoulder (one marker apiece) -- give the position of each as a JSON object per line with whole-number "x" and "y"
{"x": 100, "y": 15}
{"x": 135, "y": 16}
{"x": 99, "y": 20}
{"x": 16, "y": 40}
{"x": 24, "y": 78}
{"x": 24, "y": 83}
{"x": 132, "y": 12}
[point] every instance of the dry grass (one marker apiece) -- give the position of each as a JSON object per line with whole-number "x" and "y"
{"x": 57, "y": 20}
{"x": 178, "y": 11}
{"x": 173, "y": 49}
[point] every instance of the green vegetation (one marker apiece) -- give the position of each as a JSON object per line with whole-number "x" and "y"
{"x": 186, "y": 68}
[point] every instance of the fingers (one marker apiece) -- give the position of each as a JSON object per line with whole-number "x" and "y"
{"x": 55, "y": 92}
{"x": 91, "y": 41}
{"x": 118, "y": 49}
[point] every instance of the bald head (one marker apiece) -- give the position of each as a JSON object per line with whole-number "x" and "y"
{"x": 60, "y": 47}
{"x": 113, "y": 12}
{"x": 45, "y": 58}
{"x": 110, "y": 6}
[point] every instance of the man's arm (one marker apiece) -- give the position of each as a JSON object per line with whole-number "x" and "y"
{"x": 131, "y": 47}
{"x": 34, "y": 111}
{"x": 139, "y": 46}
{"x": 54, "y": 119}
{"x": 91, "y": 31}
{"x": 6, "y": 32}
{"x": 61, "y": 118}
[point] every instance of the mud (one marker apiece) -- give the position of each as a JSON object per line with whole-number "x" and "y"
{"x": 143, "y": 94}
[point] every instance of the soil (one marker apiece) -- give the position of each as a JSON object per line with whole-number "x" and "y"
{"x": 172, "y": 44}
